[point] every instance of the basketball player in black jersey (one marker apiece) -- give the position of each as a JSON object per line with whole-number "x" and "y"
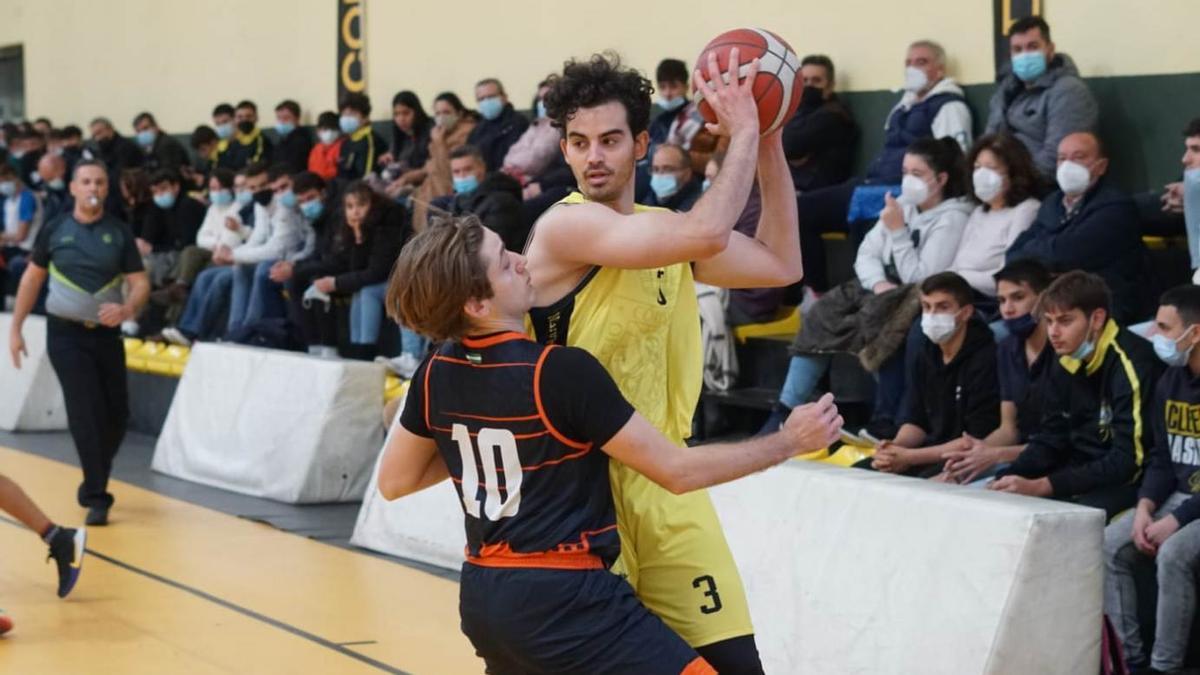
{"x": 525, "y": 431}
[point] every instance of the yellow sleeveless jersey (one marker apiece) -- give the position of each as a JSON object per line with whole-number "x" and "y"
{"x": 643, "y": 325}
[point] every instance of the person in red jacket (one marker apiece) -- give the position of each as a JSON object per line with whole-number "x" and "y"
{"x": 327, "y": 152}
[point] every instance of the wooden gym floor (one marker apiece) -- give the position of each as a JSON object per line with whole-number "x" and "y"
{"x": 173, "y": 587}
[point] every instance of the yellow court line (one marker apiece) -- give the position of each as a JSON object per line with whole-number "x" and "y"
{"x": 158, "y": 608}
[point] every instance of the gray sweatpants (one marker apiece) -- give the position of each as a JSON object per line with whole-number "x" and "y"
{"x": 1178, "y": 562}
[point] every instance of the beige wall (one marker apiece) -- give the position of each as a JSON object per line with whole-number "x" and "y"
{"x": 176, "y": 58}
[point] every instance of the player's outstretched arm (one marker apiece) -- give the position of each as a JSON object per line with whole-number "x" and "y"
{"x": 592, "y": 234}
{"x": 410, "y": 464}
{"x": 772, "y": 257}
{"x": 641, "y": 446}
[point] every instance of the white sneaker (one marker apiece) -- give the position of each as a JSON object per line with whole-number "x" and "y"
{"x": 129, "y": 328}
{"x": 404, "y": 365}
{"x": 176, "y": 337}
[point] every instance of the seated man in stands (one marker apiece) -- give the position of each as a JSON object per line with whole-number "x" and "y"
{"x": 362, "y": 147}
{"x": 1040, "y": 99}
{"x": 1088, "y": 224}
{"x": 20, "y": 219}
{"x": 295, "y": 142}
{"x": 160, "y": 151}
{"x": 1184, "y": 197}
{"x": 501, "y": 125}
{"x": 493, "y": 196}
{"x": 1163, "y": 528}
{"x": 1023, "y": 362}
{"x": 56, "y": 198}
{"x": 819, "y": 140}
{"x": 248, "y": 144}
{"x": 1095, "y": 433}
{"x": 169, "y": 227}
{"x": 932, "y": 105}
{"x": 954, "y": 391}
{"x": 673, "y": 184}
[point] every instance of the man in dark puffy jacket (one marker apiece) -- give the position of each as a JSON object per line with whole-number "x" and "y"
{"x": 494, "y": 197}
{"x": 1089, "y": 224}
{"x": 159, "y": 149}
{"x": 1039, "y": 98}
{"x": 501, "y": 125}
{"x": 819, "y": 140}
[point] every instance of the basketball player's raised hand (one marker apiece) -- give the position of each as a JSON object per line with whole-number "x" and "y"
{"x": 814, "y": 426}
{"x": 731, "y": 95}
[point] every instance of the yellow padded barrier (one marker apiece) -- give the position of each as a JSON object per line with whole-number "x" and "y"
{"x": 848, "y": 455}
{"x": 786, "y": 324}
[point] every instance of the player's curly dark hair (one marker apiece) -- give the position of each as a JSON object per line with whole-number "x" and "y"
{"x": 599, "y": 80}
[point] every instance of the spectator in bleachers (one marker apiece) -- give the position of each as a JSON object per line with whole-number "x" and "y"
{"x": 204, "y": 143}
{"x": 932, "y": 106}
{"x": 294, "y": 142}
{"x": 362, "y": 147}
{"x": 452, "y": 125}
{"x": 363, "y": 244}
{"x": 56, "y": 199}
{"x": 1005, "y": 184}
{"x": 135, "y": 200}
{"x": 679, "y": 122}
{"x": 31, "y": 147}
{"x": 248, "y": 144}
{"x": 406, "y": 157}
{"x": 1163, "y": 528}
{"x": 673, "y": 184}
{"x": 210, "y": 296}
{"x": 494, "y": 197}
{"x": 168, "y": 228}
{"x": 68, "y": 144}
{"x": 222, "y": 227}
{"x": 159, "y": 150}
{"x": 916, "y": 236}
{"x": 1023, "y": 362}
{"x": 954, "y": 388}
{"x": 501, "y": 125}
{"x": 326, "y": 153}
{"x": 537, "y": 148}
{"x": 1088, "y": 224}
{"x": 222, "y": 119}
{"x": 1184, "y": 196}
{"x": 43, "y": 126}
{"x": 117, "y": 152}
{"x": 21, "y": 212}
{"x": 1095, "y": 432}
{"x": 1040, "y": 98}
{"x": 671, "y": 82}
{"x": 280, "y": 233}
{"x": 820, "y": 138}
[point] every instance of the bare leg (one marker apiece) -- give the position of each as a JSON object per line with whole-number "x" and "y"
{"x": 14, "y": 500}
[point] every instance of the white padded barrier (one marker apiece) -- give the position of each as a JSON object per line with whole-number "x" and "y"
{"x": 274, "y": 424}
{"x": 30, "y": 398}
{"x": 854, "y": 572}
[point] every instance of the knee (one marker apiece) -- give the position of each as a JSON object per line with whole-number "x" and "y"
{"x": 1177, "y": 553}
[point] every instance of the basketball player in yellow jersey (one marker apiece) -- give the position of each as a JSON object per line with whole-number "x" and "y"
{"x": 617, "y": 279}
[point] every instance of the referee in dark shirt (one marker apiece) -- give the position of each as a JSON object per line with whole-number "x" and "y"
{"x": 88, "y": 257}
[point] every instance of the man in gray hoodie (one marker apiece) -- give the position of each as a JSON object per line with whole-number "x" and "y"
{"x": 1040, "y": 98}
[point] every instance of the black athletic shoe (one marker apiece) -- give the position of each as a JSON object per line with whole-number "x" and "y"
{"x": 66, "y": 548}
{"x": 97, "y": 515}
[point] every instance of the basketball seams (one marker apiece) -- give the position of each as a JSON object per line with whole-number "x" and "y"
{"x": 779, "y": 64}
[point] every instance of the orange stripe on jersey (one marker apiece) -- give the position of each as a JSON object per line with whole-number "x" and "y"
{"x": 464, "y": 362}
{"x": 481, "y": 343}
{"x": 502, "y": 555}
{"x": 698, "y": 666}
{"x": 473, "y": 434}
{"x": 527, "y": 418}
{"x": 560, "y": 460}
{"x": 537, "y": 399}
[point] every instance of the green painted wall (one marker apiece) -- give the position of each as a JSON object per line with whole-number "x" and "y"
{"x": 1141, "y": 118}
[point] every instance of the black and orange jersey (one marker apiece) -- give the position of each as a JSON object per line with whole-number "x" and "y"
{"x": 521, "y": 426}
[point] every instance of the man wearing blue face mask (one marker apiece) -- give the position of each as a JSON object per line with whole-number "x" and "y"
{"x": 1091, "y": 445}
{"x": 361, "y": 147}
{"x": 293, "y": 143}
{"x": 1163, "y": 528}
{"x": 170, "y": 226}
{"x": 160, "y": 150}
{"x": 673, "y": 184}
{"x": 494, "y": 197}
{"x": 501, "y": 125}
{"x": 1040, "y": 98}
{"x": 55, "y": 197}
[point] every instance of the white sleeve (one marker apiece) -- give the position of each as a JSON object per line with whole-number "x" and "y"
{"x": 939, "y": 243}
{"x": 208, "y": 237}
{"x": 954, "y": 121}
{"x": 1023, "y": 216}
{"x": 868, "y": 264}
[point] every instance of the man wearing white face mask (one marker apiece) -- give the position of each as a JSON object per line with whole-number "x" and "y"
{"x": 1090, "y": 225}
{"x": 1164, "y": 526}
{"x": 1092, "y": 443}
{"x": 955, "y": 388}
{"x": 501, "y": 125}
{"x": 1040, "y": 98}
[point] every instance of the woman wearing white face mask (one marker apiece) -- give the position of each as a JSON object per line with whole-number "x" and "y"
{"x": 1004, "y": 181}
{"x": 452, "y": 124}
{"x": 916, "y": 236}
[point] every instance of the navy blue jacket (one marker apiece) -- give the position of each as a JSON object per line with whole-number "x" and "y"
{"x": 1174, "y": 464}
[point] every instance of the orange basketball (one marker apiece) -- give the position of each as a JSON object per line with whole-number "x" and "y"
{"x": 778, "y": 86}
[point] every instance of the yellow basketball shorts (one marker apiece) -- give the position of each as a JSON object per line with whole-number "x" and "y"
{"x": 674, "y": 555}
